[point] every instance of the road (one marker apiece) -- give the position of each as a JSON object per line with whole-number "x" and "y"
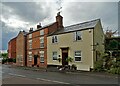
{"x": 20, "y": 76}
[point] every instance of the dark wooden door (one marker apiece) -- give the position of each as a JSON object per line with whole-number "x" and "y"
{"x": 35, "y": 60}
{"x": 64, "y": 57}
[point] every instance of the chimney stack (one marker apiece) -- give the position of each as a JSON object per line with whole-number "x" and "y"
{"x": 31, "y": 29}
{"x": 39, "y": 26}
{"x": 59, "y": 20}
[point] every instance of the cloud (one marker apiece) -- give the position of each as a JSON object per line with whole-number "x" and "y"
{"x": 75, "y": 12}
{"x": 23, "y": 15}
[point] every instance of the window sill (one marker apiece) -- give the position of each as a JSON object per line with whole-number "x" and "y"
{"x": 78, "y": 61}
{"x": 55, "y": 60}
{"x": 55, "y": 43}
{"x": 77, "y": 40}
{"x": 42, "y": 62}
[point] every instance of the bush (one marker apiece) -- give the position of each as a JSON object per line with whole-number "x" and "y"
{"x": 4, "y": 60}
{"x": 98, "y": 66}
{"x": 74, "y": 67}
{"x": 14, "y": 60}
{"x": 8, "y": 60}
{"x": 114, "y": 70}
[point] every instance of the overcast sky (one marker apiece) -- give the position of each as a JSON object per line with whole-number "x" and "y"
{"x": 16, "y": 16}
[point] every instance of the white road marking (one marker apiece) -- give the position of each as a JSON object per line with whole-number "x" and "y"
{"x": 39, "y": 79}
{"x": 52, "y": 81}
{"x": 16, "y": 75}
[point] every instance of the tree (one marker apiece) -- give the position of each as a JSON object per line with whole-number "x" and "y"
{"x": 4, "y": 55}
{"x": 110, "y": 33}
{"x": 113, "y": 44}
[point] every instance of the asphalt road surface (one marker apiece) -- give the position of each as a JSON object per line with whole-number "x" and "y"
{"x": 21, "y": 76}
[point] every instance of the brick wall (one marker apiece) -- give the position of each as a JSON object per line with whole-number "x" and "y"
{"x": 12, "y": 48}
{"x": 36, "y": 48}
{"x": 20, "y": 49}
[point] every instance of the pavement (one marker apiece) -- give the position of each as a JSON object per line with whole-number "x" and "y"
{"x": 23, "y": 75}
{"x": 54, "y": 69}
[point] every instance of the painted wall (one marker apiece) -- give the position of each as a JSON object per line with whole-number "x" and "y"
{"x": 99, "y": 38}
{"x": 67, "y": 40}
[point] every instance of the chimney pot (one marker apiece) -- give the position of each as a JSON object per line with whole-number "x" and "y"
{"x": 31, "y": 29}
{"x": 39, "y": 26}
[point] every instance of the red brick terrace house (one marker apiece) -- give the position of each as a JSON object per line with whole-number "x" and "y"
{"x": 21, "y": 49}
{"x": 12, "y": 48}
{"x": 37, "y": 42}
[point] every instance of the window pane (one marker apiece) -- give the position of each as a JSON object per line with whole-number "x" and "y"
{"x": 42, "y": 59}
{"x": 42, "y": 32}
{"x": 54, "y": 55}
{"x": 30, "y": 35}
{"x": 42, "y": 40}
{"x": 77, "y": 35}
{"x": 77, "y": 58}
{"x": 54, "y": 39}
{"x": 42, "y": 56}
{"x": 77, "y": 55}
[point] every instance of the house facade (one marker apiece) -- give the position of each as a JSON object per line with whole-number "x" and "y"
{"x": 21, "y": 49}
{"x": 37, "y": 43}
{"x": 83, "y": 42}
{"x": 12, "y": 48}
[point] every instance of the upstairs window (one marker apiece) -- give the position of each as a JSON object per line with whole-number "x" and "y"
{"x": 77, "y": 55}
{"x": 30, "y": 44}
{"x": 41, "y": 56}
{"x": 54, "y": 39}
{"x": 54, "y": 55}
{"x": 41, "y": 42}
{"x": 77, "y": 35}
{"x": 30, "y": 35}
{"x": 41, "y": 32}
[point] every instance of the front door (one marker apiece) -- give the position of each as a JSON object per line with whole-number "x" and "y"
{"x": 35, "y": 59}
{"x": 64, "y": 56}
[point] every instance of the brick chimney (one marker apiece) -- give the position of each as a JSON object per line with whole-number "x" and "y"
{"x": 39, "y": 26}
{"x": 59, "y": 19}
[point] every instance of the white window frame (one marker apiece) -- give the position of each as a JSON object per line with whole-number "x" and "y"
{"x": 55, "y": 39}
{"x": 42, "y": 56}
{"x": 77, "y": 34}
{"x": 54, "y": 56}
{"x": 41, "y": 32}
{"x": 30, "y": 55}
{"x": 77, "y": 56}
{"x": 42, "y": 42}
{"x": 30, "y": 35}
{"x": 30, "y": 44}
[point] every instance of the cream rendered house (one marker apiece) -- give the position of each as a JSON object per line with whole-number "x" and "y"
{"x": 83, "y": 42}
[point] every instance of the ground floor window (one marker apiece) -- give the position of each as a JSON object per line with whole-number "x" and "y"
{"x": 30, "y": 56}
{"x": 77, "y": 55}
{"x": 19, "y": 58}
{"x": 41, "y": 56}
{"x": 54, "y": 55}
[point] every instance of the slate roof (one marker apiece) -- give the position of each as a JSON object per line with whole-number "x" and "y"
{"x": 76, "y": 27}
